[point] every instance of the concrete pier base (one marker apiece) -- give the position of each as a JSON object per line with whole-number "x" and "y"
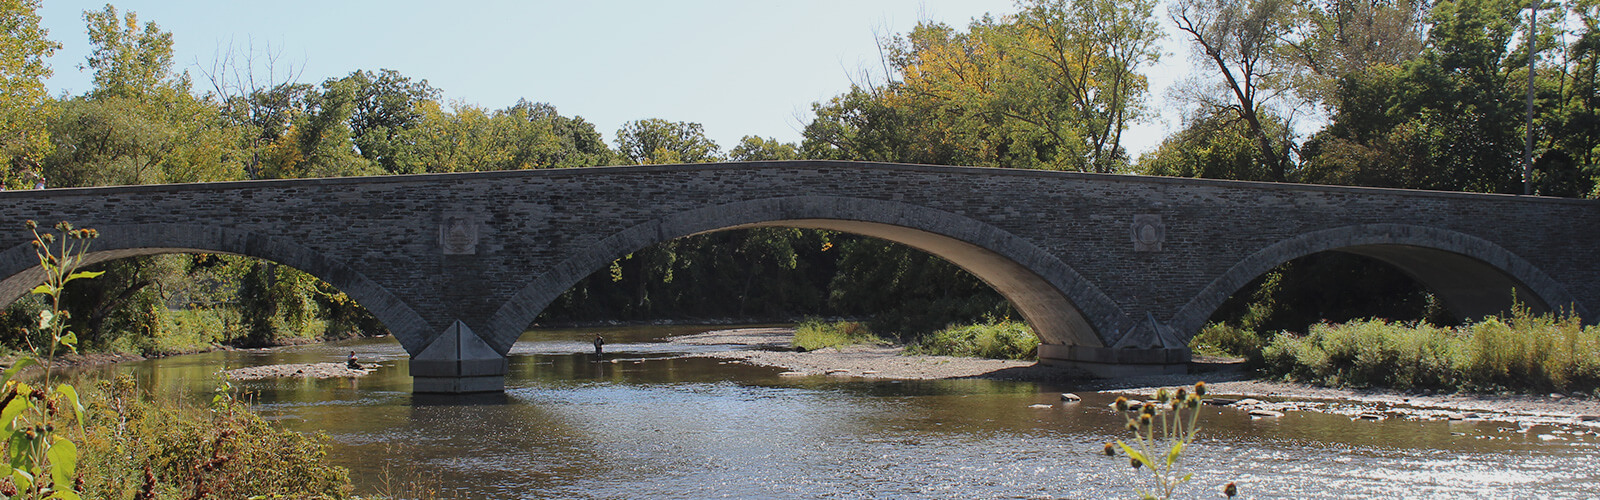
{"x": 1107, "y": 362}
{"x": 458, "y": 362}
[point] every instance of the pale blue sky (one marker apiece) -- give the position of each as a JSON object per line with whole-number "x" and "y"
{"x": 739, "y": 68}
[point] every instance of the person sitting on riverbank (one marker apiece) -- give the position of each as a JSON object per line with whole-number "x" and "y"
{"x": 351, "y": 363}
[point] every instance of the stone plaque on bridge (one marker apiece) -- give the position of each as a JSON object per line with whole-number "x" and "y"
{"x": 1148, "y": 233}
{"x": 458, "y": 236}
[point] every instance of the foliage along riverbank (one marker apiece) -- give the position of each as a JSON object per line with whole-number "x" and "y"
{"x": 991, "y": 339}
{"x": 1520, "y": 352}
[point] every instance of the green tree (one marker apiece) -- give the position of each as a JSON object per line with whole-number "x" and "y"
{"x": 386, "y": 104}
{"x": 1449, "y": 119}
{"x": 655, "y": 141}
{"x": 1211, "y": 146}
{"x": 128, "y": 60}
{"x": 753, "y": 148}
{"x": 1245, "y": 44}
{"x": 318, "y": 141}
{"x": 549, "y": 140}
{"x": 25, "y": 104}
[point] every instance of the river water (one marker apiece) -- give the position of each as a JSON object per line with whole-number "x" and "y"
{"x": 655, "y": 424}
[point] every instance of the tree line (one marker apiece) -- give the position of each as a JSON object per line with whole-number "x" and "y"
{"x": 1392, "y": 93}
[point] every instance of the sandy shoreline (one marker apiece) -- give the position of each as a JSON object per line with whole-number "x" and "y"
{"x": 889, "y": 363}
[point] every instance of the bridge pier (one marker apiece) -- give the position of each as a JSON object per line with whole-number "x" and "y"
{"x": 1109, "y": 362}
{"x": 457, "y": 362}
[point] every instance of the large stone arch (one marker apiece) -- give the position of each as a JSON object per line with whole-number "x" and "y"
{"x": 20, "y": 271}
{"x": 1474, "y": 277}
{"x": 1063, "y": 306}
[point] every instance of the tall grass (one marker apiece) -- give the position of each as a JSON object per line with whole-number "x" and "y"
{"x": 1519, "y": 352}
{"x": 996, "y": 339}
{"x": 813, "y": 334}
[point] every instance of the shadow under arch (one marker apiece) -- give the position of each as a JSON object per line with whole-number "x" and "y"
{"x": 1062, "y": 306}
{"x": 20, "y": 271}
{"x": 1473, "y": 277}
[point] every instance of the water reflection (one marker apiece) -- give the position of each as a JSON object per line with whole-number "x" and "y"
{"x": 645, "y": 423}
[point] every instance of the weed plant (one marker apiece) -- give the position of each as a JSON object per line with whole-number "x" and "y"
{"x": 995, "y": 339}
{"x": 1162, "y": 428}
{"x": 1521, "y": 352}
{"x": 813, "y": 334}
{"x": 138, "y": 447}
{"x": 1221, "y": 339}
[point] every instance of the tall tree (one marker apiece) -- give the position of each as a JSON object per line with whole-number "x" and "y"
{"x": 140, "y": 123}
{"x": 655, "y": 141}
{"x": 129, "y": 60}
{"x": 754, "y": 148}
{"x": 25, "y": 105}
{"x": 1450, "y": 119}
{"x": 1243, "y": 42}
{"x": 385, "y": 104}
{"x": 573, "y": 141}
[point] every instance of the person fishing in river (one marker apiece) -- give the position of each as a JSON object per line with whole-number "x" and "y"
{"x": 599, "y": 344}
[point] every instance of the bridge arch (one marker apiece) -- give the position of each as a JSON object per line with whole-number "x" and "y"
{"x": 20, "y": 271}
{"x": 1472, "y": 276}
{"x": 1063, "y": 306}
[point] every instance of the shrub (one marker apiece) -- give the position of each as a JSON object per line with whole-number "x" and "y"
{"x": 135, "y": 447}
{"x": 813, "y": 334}
{"x": 1221, "y": 339}
{"x": 1005, "y": 339}
{"x": 1520, "y": 352}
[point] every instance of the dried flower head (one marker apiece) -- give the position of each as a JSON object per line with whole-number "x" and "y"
{"x": 1231, "y": 490}
{"x": 1200, "y": 388}
{"x": 1110, "y": 451}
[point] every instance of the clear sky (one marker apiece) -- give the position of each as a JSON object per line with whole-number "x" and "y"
{"x": 745, "y": 67}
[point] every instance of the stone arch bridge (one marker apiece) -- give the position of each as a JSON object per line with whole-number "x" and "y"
{"x": 1114, "y": 272}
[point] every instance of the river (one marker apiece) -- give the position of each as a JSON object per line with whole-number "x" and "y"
{"x": 656, "y": 424}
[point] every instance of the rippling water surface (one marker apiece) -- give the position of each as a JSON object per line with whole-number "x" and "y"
{"x": 656, "y": 425}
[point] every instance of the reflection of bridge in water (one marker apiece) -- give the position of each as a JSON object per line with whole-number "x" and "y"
{"x": 1114, "y": 272}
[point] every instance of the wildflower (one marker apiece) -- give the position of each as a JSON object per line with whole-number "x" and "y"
{"x": 1200, "y": 388}
{"x": 1230, "y": 490}
{"x": 1135, "y": 463}
{"x": 1110, "y": 451}
{"x": 31, "y": 224}
{"x": 1122, "y": 403}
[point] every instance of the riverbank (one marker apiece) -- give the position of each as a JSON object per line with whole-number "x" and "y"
{"x": 771, "y": 347}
